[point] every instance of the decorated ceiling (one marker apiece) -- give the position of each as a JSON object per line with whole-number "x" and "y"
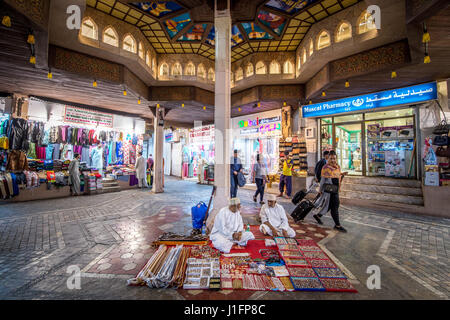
{"x": 186, "y": 26}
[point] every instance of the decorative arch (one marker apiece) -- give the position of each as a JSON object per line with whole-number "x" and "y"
{"x": 239, "y": 74}
{"x": 311, "y": 47}
{"x": 154, "y": 64}
{"x": 211, "y": 74}
{"x": 190, "y": 69}
{"x": 89, "y": 28}
{"x": 366, "y": 22}
{"x": 274, "y": 67}
{"x": 164, "y": 70}
{"x": 323, "y": 40}
{"x": 249, "y": 70}
{"x": 177, "y": 70}
{"x": 148, "y": 59}
{"x": 201, "y": 71}
{"x": 129, "y": 43}
{"x": 141, "y": 50}
{"x": 110, "y": 36}
{"x": 288, "y": 68}
{"x": 299, "y": 62}
{"x": 261, "y": 68}
{"x": 303, "y": 56}
{"x": 343, "y": 31}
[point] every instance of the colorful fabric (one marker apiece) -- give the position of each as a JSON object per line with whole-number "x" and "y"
{"x": 329, "y": 171}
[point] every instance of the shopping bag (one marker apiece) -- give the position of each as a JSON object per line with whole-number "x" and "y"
{"x": 241, "y": 179}
{"x": 198, "y": 214}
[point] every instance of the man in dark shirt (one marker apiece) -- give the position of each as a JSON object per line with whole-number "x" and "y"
{"x": 320, "y": 164}
{"x": 236, "y": 167}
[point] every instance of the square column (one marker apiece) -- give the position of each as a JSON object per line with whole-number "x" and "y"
{"x": 158, "y": 179}
{"x": 222, "y": 110}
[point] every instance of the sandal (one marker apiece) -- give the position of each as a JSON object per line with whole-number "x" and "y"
{"x": 316, "y": 217}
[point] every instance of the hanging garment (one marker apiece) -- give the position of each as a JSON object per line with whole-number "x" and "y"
{"x": 74, "y": 176}
{"x": 4, "y": 143}
{"x": 97, "y": 159}
{"x": 49, "y": 152}
{"x": 46, "y": 138}
{"x": 132, "y": 154}
{"x": 18, "y": 134}
{"x": 126, "y": 152}
{"x": 41, "y": 153}
{"x": 32, "y": 151}
{"x": 85, "y": 156}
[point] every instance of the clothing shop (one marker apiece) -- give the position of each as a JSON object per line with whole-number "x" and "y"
{"x": 198, "y": 155}
{"x": 38, "y": 148}
{"x": 374, "y": 134}
{"x": 174, "y": 151}
{"x": 258, "y": 133}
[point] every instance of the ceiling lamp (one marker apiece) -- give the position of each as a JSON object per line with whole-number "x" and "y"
{"x": 284, "y": 104}
{"x": 310, "y": 102}
{"x": 347, "y": 84}
{"x": 182, "y": 105}
{"x": 204, "y": 107}
{"x": 50, "y": 74}
{"x": 324, "y": 94}
{"x": 6, "y": 21}
{"x": 393, "y": 74}
{"x": 33, "y": 59}
{"x": 31, "y": 39}
{"x": 94, "y": 84}
{"x": 426, "y": 35}
{"x": 239, "y": 109}
{"x": 124, "y": 92}
{"x": 157, "y": 105}
{"x": 139, "y": 100}
{"x": 427, "y": 58}
{"x": 259, "y": 104}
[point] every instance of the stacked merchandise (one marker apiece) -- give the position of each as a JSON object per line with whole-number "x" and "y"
{"x": 91, "y": 182}
{"x": 202, "y": 273}
{"x": 309, "y": 267}
{"x": 297, "y": 150}
{"x": 166, "y": 268}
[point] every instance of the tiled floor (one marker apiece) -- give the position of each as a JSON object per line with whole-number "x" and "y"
{"x": 108, "y": 237}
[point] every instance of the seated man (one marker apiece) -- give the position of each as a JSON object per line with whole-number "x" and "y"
{"x": 229, "y": 228}
{"x": 274, "y": 220}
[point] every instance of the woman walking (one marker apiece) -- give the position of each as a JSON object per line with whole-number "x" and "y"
{"x": 74, "y": 175}
{"x": 329, "y": 192}
{"x": 260, "y": 178}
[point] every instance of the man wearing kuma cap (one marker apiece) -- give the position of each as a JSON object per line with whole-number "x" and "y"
{"x": 229, "y": 228}
{"x": 274, "y": 219}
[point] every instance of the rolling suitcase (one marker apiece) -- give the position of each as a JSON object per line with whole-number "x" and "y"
{"x": 299, "y": 196}
{"x": 302, "y": 210}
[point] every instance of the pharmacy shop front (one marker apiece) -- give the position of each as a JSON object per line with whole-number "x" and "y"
{"x": 374, "y": 134}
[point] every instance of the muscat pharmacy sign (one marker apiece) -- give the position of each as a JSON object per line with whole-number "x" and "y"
{"x": 389, "y": 98}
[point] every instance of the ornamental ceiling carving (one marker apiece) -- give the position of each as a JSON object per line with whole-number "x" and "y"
{"x": 188, "y": 26}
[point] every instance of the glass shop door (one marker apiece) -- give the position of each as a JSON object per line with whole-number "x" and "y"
{"x": 348, "y": 144}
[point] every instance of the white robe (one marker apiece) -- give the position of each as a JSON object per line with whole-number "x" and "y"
{"x": 141, "y": 168}
{"x": 277, "y": 217}
{"x": 226, "y": 224}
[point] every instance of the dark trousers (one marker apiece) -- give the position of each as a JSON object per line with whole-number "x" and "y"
{"x": 286, "y": 180}
{"x": 234, "y": 186}
{"x": 333, "y": 207}
{"x": 259, "y": 188}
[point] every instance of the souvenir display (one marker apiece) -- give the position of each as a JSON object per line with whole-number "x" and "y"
{"x": 307, "y": 284}
{"x": 226, "y": 282}
{"x": 296, "y": 262}
{"x": 321, "y": 263}
{"x": 315, "y": 255}
{"x": 309, "y": 248}
{"x": 204, "y": 252}
{"x": 269, "y": 254}
{"x": 301, "y": 272}
{"x": 269, "y": 242}
{"x": 337, "y": 285}
{"x": 280, "y": 271}
{"x": 291, "y": 254}
{"x": 329, "y": 273}
{"x": 280, "y": 240}
{"x": 278, "y": 284}
{"x": 287, "y": 283}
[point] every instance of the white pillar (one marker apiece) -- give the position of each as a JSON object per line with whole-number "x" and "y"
{"x": 158, "y": 141}
{"x": 222, "y": 110}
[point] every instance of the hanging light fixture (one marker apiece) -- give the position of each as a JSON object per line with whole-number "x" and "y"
{"x": 6, "y": 21}
{"x": 204, "y": 107}
{"x": 50, "y": 74}
{"x": 310, "y": 102}
{"x": 124, "y": 92}
{"x": 427, "y": 58}
{"x": 94, "y": 84}
{"x": 284, "y": 104}
{"x": 139, "y": 100}
{"x": 324, "y": 94}
{"x": 347, "y": 84}
{"x": 157, "y": 105}
{"x": 426, "y": 35}
{"x": 32, "y": 59}
{"x": 31, "y": 39}
{"x": 259, "y": 104}
{"x": 182, "y": 105}
{"x": 239, "y": 109}
{"x": 393, "y": 74}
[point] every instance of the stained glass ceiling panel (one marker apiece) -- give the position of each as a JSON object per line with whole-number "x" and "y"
{"x": 255, "y": 32}
{"x": 272, "y": 21}
{"x": 236, "y": 36}
{"x": 289, "y": 6}
{"x": 210, "y": 39}
{"x": 195, "y": 33}
{"x": 158, "y": 8}
{"x": 176, "y": 24}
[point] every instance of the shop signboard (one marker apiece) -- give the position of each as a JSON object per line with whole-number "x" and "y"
{"x": 169, "y": 137}
{"x": 88, "y": 117}
{"x": 257, "y": 122}
{"x": 389, "y": 98}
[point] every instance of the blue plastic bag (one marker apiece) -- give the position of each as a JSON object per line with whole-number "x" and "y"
{"x": 198, "y": 214}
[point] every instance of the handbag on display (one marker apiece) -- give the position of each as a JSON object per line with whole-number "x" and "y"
{"x": 443, "y": 152}
{"x": 441, "y": 141}
{"x": 442, "y": 128}
{"x": 330, "y": 188}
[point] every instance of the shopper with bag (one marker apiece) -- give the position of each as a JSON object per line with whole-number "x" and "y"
{"x": 260, "y": 178}
{"x": 329, "y": 192}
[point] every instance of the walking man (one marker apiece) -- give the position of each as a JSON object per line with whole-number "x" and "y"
{"x": 286, "y": 176}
